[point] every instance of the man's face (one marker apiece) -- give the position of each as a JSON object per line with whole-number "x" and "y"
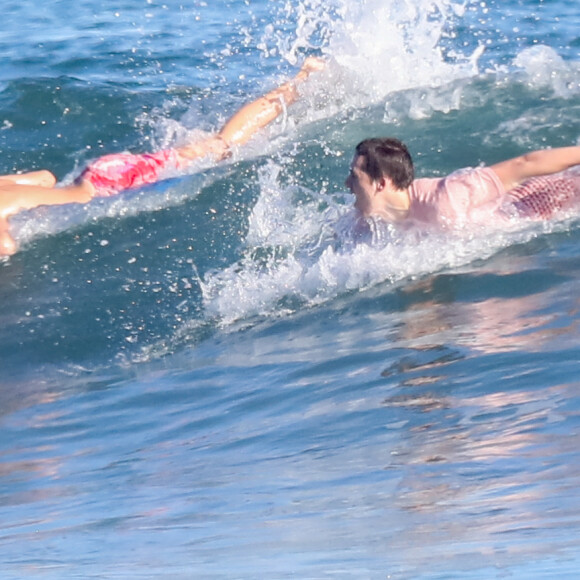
{"x": 361, "y": 185}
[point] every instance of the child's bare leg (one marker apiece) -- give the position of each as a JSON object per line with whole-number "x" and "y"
{"x": 42, "y": 178}
{"x": 212, "y": 146}
{"x": 251, "y": 117}
{"x": 15, "y": 197}
{"x": 7, "y": 243}
{"x": 261, "y": 112}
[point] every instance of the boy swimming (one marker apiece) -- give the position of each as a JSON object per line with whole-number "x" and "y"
{"x": 111, "y": 174}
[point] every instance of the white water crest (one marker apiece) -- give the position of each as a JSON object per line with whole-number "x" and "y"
{"x": 544, "y": 67}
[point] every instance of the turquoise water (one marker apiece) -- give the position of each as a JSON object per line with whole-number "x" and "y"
{"x": 196, "y": 382}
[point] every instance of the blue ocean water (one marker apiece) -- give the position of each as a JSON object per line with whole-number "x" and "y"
{"x": 195, "y": 382}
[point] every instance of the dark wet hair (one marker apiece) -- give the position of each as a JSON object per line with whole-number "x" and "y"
{"x": 389, "y": 157}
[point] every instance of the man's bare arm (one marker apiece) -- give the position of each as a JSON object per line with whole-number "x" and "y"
{"x": 543, "y": 162}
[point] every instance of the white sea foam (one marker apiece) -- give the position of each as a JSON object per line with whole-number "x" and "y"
{"x": 544, "y": 67}
{"x": 377, "y": 46}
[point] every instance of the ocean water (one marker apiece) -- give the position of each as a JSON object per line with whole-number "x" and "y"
{"x": 197, "y": 382}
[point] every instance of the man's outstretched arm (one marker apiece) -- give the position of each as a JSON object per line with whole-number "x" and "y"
{"x": 543, "y": 162}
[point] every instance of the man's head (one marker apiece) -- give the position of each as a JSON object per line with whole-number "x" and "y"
{"x": 380, "y": 173}
{"x": 387, "y": 157}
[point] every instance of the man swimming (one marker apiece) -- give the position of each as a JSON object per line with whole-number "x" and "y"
{"x": 382, "y": 180}
{"x": 114, "y": 173}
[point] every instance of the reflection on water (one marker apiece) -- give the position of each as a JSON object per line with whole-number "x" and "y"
{"x": 487, "y": 455}
{"x": 483, "y": 472}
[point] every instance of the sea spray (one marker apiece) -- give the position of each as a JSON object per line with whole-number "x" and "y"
{"x": 379, "y": 46}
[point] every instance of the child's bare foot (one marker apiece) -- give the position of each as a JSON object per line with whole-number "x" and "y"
{"x": 41, "y": 178}
{"x": 311, "y": 64}
{"x": 314, "y": 63}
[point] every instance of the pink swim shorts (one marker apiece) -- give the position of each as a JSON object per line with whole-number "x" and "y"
{"x": 541, "y": 197}
{"x": 114, "y": 173}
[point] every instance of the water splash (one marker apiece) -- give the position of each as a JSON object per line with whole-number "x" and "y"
{"x": 544, "y": 67}
{"x": 378, "y": 47}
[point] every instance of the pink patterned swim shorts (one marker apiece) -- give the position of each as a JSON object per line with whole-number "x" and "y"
{"x": 541, "y": 197}
{"x": 114, "y": 173}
